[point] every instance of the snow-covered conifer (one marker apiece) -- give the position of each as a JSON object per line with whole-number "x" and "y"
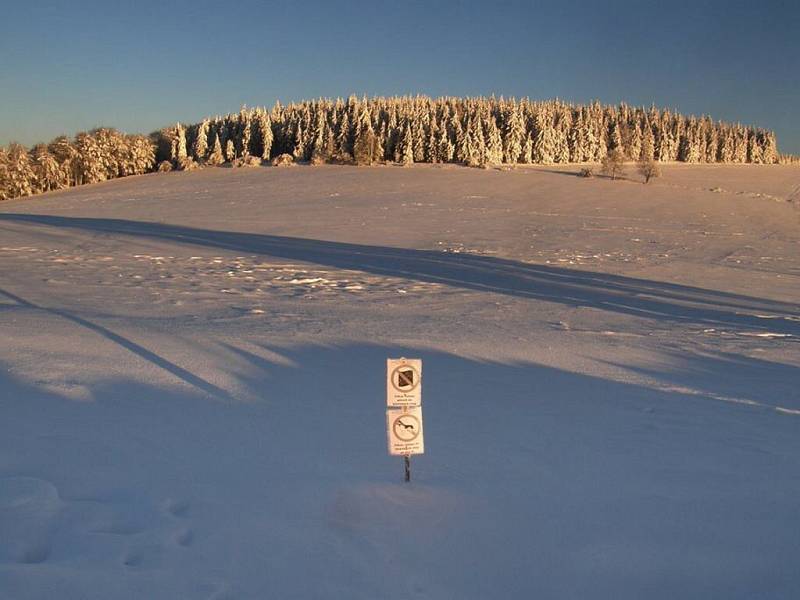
{"x": 513, "y": 136}
{"x": 90, "y": 160}
{"x": 445, "y": 149}
{"x": 200, "y": 148}
{"x": 216, "y": 157}
{"x": 5, "y": 192}
{"x": 544, "y": 143}
{"x": 527, "y": 151}
{"x": 494, "y": 142}
{"x": 20, "y": 177}
{"x": 648, "y": 151}
{"x": 264, "y": 135}
{"x": 46, "y": 168}
{"x": 407, "y": 147}
{"x": 180, "y": 151}
{"x": 299, "y": 150}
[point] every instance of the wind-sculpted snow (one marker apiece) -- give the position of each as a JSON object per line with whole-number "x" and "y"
{"x": 650, "y": 299}
{"x": 192, "y": 386}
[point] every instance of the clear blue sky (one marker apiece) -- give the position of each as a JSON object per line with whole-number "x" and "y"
{"x": 137, "y": 66}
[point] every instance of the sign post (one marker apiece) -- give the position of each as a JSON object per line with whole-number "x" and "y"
{"x": 404, "y": 409}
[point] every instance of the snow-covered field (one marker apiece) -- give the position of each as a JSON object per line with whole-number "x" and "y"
{"x": 192, "y": 385}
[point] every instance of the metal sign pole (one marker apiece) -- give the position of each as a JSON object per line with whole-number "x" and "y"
{"x": 407, "y": 460}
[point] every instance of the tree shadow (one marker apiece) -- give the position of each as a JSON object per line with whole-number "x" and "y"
{"x": 625, "y": 295}
{"x": 728, "y": 376}
{"x": 596, "y": 174}
{"x": 152, "y": 357}
{"x": 533, "y": 479}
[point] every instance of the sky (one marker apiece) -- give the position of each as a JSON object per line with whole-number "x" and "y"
{"x": 138, "y": 66}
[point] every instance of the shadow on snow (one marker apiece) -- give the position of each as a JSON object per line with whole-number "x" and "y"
{"x": 626, "y": 295}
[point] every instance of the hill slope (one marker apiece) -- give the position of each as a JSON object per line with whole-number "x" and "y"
{"x": 191, "y": 382}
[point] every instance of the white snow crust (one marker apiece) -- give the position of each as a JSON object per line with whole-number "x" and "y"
{"x": 192, "y": 371}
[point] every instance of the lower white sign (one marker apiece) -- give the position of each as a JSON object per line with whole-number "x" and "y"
{"x": 404, "y": 428}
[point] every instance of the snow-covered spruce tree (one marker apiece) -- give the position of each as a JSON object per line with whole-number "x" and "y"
{"x": 753, "y": 148}
{"x": 179, "y": 151}
{"x": 577, "y": 139}
{"x": 769, "y": 149}
{"x": 431, "y": 145}
{"x": 561, "y": 143}
{"x": 5, "y": 193}
{"x": 263, "y": 135}
{"x": 321, "y": 146}
{"x": 46, "y": 169}
{"x": 543, "y": 144}
{"x": 299, "y": 149}
{"x": 142, "y": 154}
{"x": 648, "y": 151}
{"x": 244, "y": 132}
{"x": 216, "y": 157}
{"x": 230, "y": 151}
{"x": 200, "y": 147}
{"x": 20, "y": 177}
{"x": 632, "y": 141}
{"x": 445, "y": 146}
{"x": 67, "y": 157}
{"x": 365, "y": 146}
{"x": 90, "y": 165}
{"x": 479, "y": 156}
{"x": 344, "y": 137}
{"x": 527, "y": 151}
{"x": 407, "y": 147}
{"x": 111, "y": 148}
{"x": 513, "y": 135}
{"x": 712, "y": 144}
{"x": 688, "y": 151}
{"x": 740, "y": 145}
{"x": 725, "y": 153}
{"x": 599, "y": 132}
{"x": 494, "y": 141}
{"x": 419, "y": 136}
{"x": 614, "y": 137}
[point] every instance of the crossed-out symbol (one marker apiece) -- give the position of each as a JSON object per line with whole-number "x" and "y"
{"x": 405, "y": 378}
{"x": 406, "y": 428}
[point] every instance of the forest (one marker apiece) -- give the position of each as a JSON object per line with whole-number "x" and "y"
{"x": 476, "y": 132}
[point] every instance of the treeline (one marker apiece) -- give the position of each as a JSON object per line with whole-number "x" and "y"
{"x": 471, "y": 131}
{"x": 87, "y": 158}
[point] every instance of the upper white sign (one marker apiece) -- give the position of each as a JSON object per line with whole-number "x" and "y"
{"x": 403, "y": 382}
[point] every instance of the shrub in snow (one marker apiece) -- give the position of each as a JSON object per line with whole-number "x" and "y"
{"x": 613, "y": 164}
{"x": 187, "y": 163}
{"x": 648, "y": 168}
{"x": 247, "y": 161}
{"x": 342, "y": 158}
{"x": 586, "y": 172}
{"x": 283, "y": 160}
{"x": 164, "y": 166}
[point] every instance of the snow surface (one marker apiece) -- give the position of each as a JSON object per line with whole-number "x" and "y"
{"x": 192, "y": 385}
